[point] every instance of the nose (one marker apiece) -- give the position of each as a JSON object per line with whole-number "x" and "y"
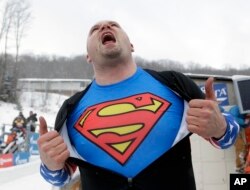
{"x": 105, "y": 26}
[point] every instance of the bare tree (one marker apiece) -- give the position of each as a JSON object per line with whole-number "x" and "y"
{"x": 15, "y": 20}
{"x": 9, "y": 11}
{"x": 21, "y": 21}
{"x": 22, "y": 18}
{"x": 5, "y": 25}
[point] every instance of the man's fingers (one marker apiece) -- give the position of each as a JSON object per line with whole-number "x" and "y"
{"x": 43, "y": 126}
{"x": 200, "y": 103}
{"x": 63, "y": 156}
{"x": 59, "y": 149}
{"x": 210, "y": 95}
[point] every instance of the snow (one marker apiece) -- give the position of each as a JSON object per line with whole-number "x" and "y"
{"x": 27, "y": 176}
{"x": 33, "y": 101}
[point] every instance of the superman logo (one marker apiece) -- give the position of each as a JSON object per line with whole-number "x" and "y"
{"x": 119, "y": 127}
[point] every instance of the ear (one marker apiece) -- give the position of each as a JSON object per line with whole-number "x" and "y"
{"x": 88, "y": 59}
{"x": 132, "y": 48}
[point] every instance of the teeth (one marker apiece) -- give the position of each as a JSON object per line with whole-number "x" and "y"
{"x": 107, "y": 34}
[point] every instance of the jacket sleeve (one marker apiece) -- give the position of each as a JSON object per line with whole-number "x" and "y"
{"x": 59, "y": 177}
{"x": 229, "y": 138}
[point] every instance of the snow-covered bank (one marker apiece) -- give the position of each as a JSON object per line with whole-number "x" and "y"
{"x": 29, "y": 179}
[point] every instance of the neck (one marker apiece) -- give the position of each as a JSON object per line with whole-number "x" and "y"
{"x": 109, "y": 74}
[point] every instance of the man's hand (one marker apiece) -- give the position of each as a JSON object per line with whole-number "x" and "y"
{"x": 204, "y": 117}
{"x": 53, "y": 150}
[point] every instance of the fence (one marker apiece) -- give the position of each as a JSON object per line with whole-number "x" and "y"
{"x": 61, "y": 86}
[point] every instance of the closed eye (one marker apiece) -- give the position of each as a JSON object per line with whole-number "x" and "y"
{"x": 93, "y": 29}
{"x": 115, "y": 24}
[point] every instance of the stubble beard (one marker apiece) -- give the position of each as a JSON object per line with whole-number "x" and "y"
{"x": 111, "y": 53}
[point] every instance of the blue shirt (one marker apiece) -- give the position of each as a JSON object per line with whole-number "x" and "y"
{"x": 126, "y": 126}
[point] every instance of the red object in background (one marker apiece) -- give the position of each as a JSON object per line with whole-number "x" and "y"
{"x": 247, "y": 135}
{"x": 6, "y": 160}
{"x": 247, "y": 130}
{"x": 247, "y": 167}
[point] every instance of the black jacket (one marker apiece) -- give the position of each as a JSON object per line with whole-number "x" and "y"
{"x": 173, "y": 170}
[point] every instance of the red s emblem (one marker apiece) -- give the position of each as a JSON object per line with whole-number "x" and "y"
{"x": 120, "y": 126}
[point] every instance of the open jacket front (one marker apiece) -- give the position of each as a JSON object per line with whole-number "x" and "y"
{"x": 173, "y": 170}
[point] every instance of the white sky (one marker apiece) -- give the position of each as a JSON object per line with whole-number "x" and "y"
{"x": 210, "y": 32}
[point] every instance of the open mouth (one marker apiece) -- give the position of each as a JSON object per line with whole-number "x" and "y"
{"x": 108, "y": 38}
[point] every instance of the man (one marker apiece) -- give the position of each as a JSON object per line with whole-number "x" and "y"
{"x": 31, "y": 121}
{"x": 19, "y": 124}
{"x": 19, "y": 121}
{"x": 130, "y": 128}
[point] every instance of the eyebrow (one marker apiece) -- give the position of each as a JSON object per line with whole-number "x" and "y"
{"x": 98, "y": 25}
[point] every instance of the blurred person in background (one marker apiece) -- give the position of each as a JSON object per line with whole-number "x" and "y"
{"x": 31, "y": 121}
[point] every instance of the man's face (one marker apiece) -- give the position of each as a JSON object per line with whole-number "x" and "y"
{"x": 107, "y": 40}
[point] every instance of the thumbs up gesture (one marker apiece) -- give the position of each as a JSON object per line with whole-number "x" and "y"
{"x": 53, "y": 150}
{"x": 204, "y": 117}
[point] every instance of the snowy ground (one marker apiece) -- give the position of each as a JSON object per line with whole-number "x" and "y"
{"x": 26, "y": 176}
